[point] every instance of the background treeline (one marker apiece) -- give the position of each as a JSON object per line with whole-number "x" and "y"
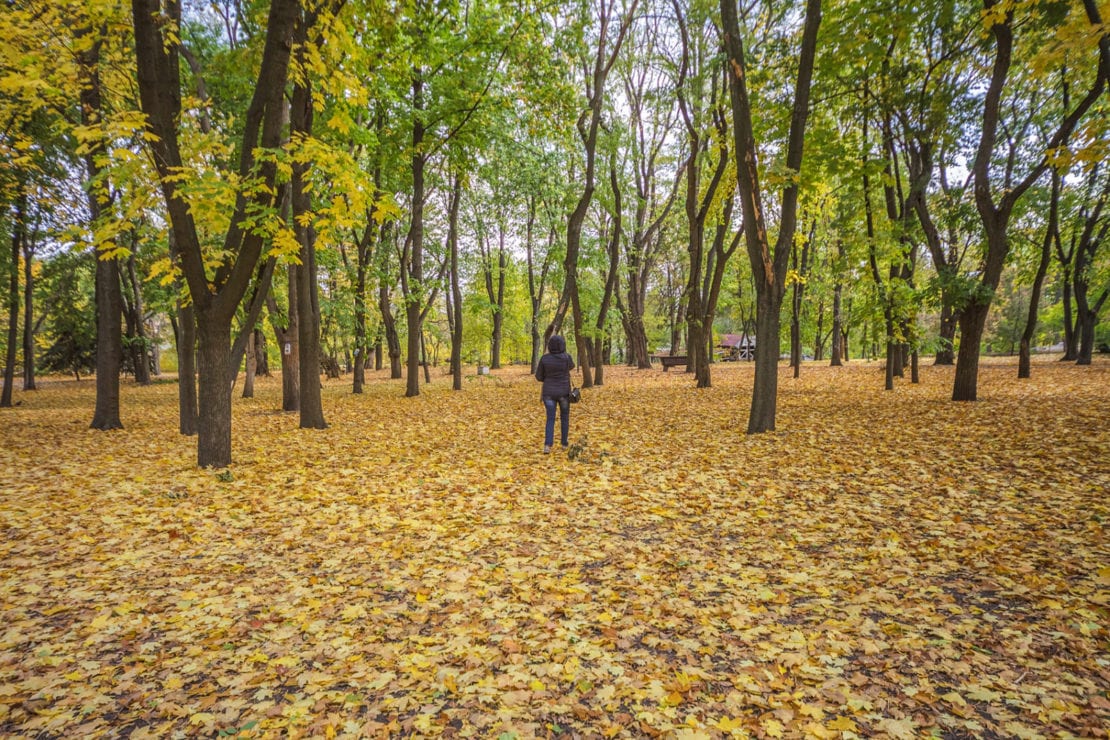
{"x": 239, "y": 186}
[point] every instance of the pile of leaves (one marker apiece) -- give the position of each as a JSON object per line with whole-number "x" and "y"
{"x": 886, "y": 564}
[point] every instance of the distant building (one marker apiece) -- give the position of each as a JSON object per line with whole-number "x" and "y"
{"x": 737, "y": 347}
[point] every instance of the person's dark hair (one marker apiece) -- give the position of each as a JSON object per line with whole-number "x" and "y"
{"x": 557, "y": 344}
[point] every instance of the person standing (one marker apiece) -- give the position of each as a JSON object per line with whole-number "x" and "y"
{"x": 554, "y": 372}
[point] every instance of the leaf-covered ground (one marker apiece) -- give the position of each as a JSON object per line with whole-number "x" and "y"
{"x": 886, "y": 564}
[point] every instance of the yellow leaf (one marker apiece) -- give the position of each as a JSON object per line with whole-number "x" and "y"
{"x": 903, "y": 729}
{"x": 954, "y": 698}
{"x": 728, "y": 724}
{"x": 843, "y": 724}
{"x": 773, "y": 727}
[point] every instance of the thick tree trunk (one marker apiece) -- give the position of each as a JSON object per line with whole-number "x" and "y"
{"x": 308, "y": 336}
{"x": 1086, "y": 337}
{"x": 109, "y": 312}
{"x": 764, "y": 407}
{"x": 213, "y": 357}
{"x": 637, "y": 334}
{"x": 308, "y": 299}
{"x": 389, "y": 329}
{"x": 412, "y": 269}
{"x": 972, "y": 321}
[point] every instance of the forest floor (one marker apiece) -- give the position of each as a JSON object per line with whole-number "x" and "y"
{"x": 885, "y": 564}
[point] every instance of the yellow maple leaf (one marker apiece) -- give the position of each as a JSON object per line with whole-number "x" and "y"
{"x": 773, "y": 727}
{"x": 843, "y": 724}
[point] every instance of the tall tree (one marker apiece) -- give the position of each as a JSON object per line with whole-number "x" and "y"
{"x": 217, "y": 297}
{"x": 995, "y": 211}
{"x": 612, "y": 28}
{"x": 768, "y": 267}
{"x": 109, "y": 299}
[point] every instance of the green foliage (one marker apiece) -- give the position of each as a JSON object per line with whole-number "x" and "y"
{"x": 70, "y": 329}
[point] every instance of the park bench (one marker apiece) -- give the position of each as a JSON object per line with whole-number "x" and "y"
{"x": 669, "y": 360}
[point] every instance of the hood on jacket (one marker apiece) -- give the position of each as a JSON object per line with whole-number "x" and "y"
{"x": 557, "y": 344}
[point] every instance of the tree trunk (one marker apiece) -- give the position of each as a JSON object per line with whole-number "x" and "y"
{"x": 213, "y": 357}
{"x": 1038, "y": 279}
{"x": 972, "y": 321}
{"x": 28, "y": 313}
{"x": 140, "y": 344}
{"x": 761, "y": 417}
{"x": 389, "y": 328}
{"x": 362, "y": 345}
{"x": 185, "y": 335}
{"x": 251, "y": 368}
{"x": 455, "y": 310}
{"x": 837, "y": 349}
{"x": 412, "y": 268}
{"x": 949, "y": 320}
{"x": 288, "y": 338}
{"x": 261, "y": 360}
{"x": 18, "y": 234}
{"x": 109, "y": 301}
{"x": 109, "y": 311}
{"x": 308, "y": 299}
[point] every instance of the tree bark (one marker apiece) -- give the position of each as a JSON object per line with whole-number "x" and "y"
{"x": 214, "y": 400}
{"x": 18, "y": 235}
{"x": 412, "y": 268}
{"x": 185, "y": 335}
{"x": 308, "y": 298}
{"x": 28, "y": 311}
{"x": 454, "y": 310}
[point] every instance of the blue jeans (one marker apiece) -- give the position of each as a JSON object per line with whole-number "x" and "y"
{"x": 564, "y": 418}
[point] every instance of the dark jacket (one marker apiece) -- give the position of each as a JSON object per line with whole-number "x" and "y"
{"x": 554, "y": 369}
